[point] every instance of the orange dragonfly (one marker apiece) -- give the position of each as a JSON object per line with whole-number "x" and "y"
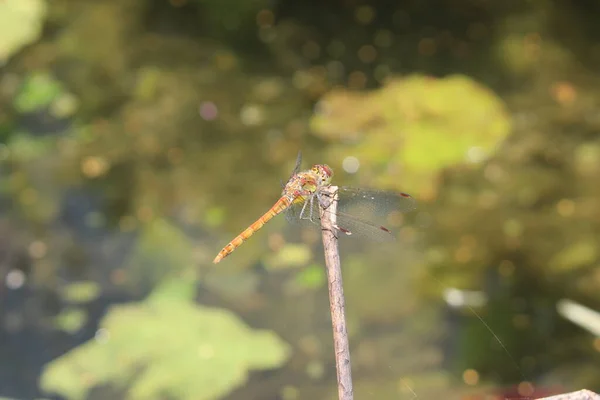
{"x": 302, "y": 197}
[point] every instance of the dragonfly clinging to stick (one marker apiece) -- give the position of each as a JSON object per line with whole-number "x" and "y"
{"x": 303, "y": 195}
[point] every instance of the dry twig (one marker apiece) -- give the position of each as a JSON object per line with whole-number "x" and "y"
{"x": 336, "y": 296}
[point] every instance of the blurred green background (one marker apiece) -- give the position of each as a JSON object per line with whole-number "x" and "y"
{"x": 137, "y": 137}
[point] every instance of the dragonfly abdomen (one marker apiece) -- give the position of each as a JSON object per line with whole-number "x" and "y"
{"x": 282, "y": 204}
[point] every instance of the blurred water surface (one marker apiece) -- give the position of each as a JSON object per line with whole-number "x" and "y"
{"x": 137, "y": 137}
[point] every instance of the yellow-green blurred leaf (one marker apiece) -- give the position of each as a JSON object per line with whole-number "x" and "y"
{"x": 174, "y": 289}
{"x": 214, "y": 216}
{"x": 415, "y": 127}
{"x": 23, "y": 147}
{"x": 577, "y": 255}
{"x": 20, "y": 24}
{"x": 81, "y": 292}
{"x": 290, "y": 256}
{"x": 167, "y": 347}
{"x": 148, "y": 79}
{"x": 38, "y": 90}
{"x": 71, "y": 320}
{"x": 311, "y": 277}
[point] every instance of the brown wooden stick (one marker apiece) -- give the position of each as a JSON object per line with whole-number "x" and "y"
{"x": 579, "y": 395}
{"x": 336, "y": 295}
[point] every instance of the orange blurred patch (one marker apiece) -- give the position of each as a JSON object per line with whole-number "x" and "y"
{"x": 563, "y": 93}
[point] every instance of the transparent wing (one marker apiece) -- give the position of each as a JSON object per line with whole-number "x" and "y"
{"x": 371, "y": 214}
{"x": 296, "y": 168}
{"x": 298, "y": 163}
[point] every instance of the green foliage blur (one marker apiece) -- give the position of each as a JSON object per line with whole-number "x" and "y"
{"x": 177, "y": 349}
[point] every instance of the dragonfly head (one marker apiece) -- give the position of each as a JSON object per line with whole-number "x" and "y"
{"x": 323, "y": 172}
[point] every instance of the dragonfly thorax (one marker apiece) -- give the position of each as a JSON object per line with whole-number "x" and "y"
{"x": 301, "y": 186}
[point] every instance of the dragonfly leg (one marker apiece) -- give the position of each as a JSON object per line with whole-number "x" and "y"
{"x": 312, "y": 199}
{"x": 302, "y": 210}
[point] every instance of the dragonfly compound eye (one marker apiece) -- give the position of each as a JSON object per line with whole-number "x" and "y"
{"x": 326, "y": 171}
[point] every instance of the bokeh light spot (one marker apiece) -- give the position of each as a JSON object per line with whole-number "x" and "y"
{"x": 208, "y": 110}
{"x": 470, "y": 377}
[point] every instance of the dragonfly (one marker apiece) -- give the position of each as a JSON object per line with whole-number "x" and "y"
{"x": 304, "y": 195}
